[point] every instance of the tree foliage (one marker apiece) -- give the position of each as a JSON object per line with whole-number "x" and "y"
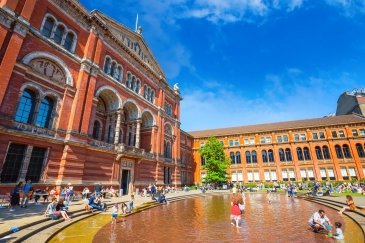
{"x": 216, "y": 162}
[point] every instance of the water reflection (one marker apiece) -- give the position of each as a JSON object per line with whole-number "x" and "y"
{"x": 207, "y": 220}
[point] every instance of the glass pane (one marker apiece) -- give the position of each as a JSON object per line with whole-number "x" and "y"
{"x": 44, "y": 113}
{"x": 13, "y": 163}
{"x": 47, "y": 27}
{"x": 36, "y": 164}
{"x": 59, "y": 34}
{"x": 25, "y": 108}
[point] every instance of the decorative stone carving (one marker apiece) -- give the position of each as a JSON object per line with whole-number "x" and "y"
{"x": 49, "y": 69}
{"x": 5, "y": 19}
{"x": 76, "y": 14}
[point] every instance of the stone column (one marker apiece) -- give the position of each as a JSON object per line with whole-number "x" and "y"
{"x": 106, "y": 128}
{"x": 127, "y": 135}
{"x": 138, "y": 133}
{"x": 117, "y": 127}
{"x": 133, "y": 133}
{"x": 24, "y": 168}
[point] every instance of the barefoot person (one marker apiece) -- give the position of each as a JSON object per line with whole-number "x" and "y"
{"x": 235, "y": 214}
{"x": 115, "y": 210}
{"x": 350, "y": 205}
{"x": 318, "y": 221}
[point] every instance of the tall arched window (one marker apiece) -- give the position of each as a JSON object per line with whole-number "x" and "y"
{"x": 96, "y": 130}
{"x": 271, "y": 155}
{"x": 307, "y": 155}
{"x": 59, "y": 34}
{"x": 288, "y": 154}
{"x": 138, "y": 87}
{"x": 44, "y": 113}
{"x": 26, "y": 106}
{"x": 346, "y": 151}
{"x": 69, "y": 40}
{"x": 360, "y": 150}
{"x": 300, "y": 153}
{"x": 231, "y": 155}
{"x": 281, "y": 155}
{"x": 318, "y": 153}
{"x": 167, "y": 153}
{"x": 47, "y": 27}
{"x": 119, "y": 74}
{"x": 107, "y": 65}
{"x": 238, "y": 158}
{"x": 248, "y": 157}
{"x": 338, "y": 152}
{"x": 134, "y": 83}
{"x": 264, "y": 156}
{"x": 128, "y": 80}
{"x": 326, "y": 152}
{"x": 112, "y": 69}
{"x": 254, "y": 156}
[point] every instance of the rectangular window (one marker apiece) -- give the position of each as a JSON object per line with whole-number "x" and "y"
{"x": 334, "y": 134}
{"x": 362, "y": 132}
{"x": 202, "y": 145}
{"x": 321, "y": 135}
{"x": 296, "y": 137}
{"x": 303, "y": 137}
{"x": 273, "y": 175}
{"x": 322, "y": 171}
{"x": 249, "y": 176}
{"x": 352, "y": 172}
{"x": 246, "y": 142}
{"x": 252, "y": 141}
{"x": 314, "y": 135}
{"x": 13, "y": 163}
{"x": 343, "y": 171}
{"x": 303, "y": 173}
{"x": 239, "y": 176}
{"x": 262, "y": 140}
{"x": 234, "y": 176}
{"x": 285, "y": 138}
{"x": 256, "y": 175}
{"x": 279, "y": 139}
{"x": 36, "y": 164}
{"x": 285, "y": 174}
{"x": 203, "y": 175}
{"x": 230, "y": 143}
{"x": 267, "y": 175}
{"x": 354, "y": 133}
{"x": 331, "y": 174}
{"x": 341, "y": 134}
{"x": 291, "y": 174}
{"x": 268, "y": 140}
{"x": 310, "y": 173}
{"x": 236, "y": 143}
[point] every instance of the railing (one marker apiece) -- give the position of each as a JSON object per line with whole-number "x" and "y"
{"x": 33, "y": 129}
{"x": 134, "y": 152}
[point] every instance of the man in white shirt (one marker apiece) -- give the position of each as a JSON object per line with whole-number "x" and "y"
{"x": 319, "y": 220}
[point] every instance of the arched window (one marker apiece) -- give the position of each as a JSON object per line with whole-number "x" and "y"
{"x": 300, "y": 153}
{"x": 360, "y": 150}
{"x": 69, "y": 40}
{"x": 168, "y": 150}
{"x": 307, "y": 155}
{"x": 254, "y": 156}
{"x": 338, "y": 152}
{"x": 134, "y": 83}
{"x": 152, "y": 96}
{"x": 271, "y": 155}
{"x": 107, "y": 65}
{"x": 59, "y": 34}
{"x": 44, "y": 113}
{"x": 112, "y": 69}
{"x": 326, "y": 152}
{"x": 26, "y": 106}
{"x": 238, "y": 158}
{"x": 138, "y": 86}
{"x": 96, "y": 129}
{"x": 119, "y": 74}
{"x": 47, "y": 27}
{"x": 319, "y": 153}
{"x": 248, "y": 157}
{"x": 288, "y": 154}
{"x": 231, "y": 155}
{"x": 281, "y": 155}
{"x": 346, "y": 151}
{"x": 145, "y": 91}
{"x": 264, "y": 156}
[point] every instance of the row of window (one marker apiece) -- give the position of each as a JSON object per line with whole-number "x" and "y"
{"x": 113, "y": 69}
{"x": 15, "y": 163}
{"x": 297, "y": 137}
{"x": 288, "y": 174}
{"x": 168, "y": 108}
{"x": 58, "y": 32}
{"x": 302, "y": 154}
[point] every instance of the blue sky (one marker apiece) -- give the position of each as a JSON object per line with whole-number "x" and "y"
{"x": 241, "y": 62}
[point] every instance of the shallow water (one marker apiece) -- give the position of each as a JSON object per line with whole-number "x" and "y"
{"x": 207, "y": 220}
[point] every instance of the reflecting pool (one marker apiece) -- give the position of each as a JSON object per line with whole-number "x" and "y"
{"x": 206, "y": 219}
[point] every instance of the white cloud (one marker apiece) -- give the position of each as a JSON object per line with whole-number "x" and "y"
{"x": 283, "y": 97}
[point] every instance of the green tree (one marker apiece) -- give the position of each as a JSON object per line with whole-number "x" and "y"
{"x": 216, "y": 162}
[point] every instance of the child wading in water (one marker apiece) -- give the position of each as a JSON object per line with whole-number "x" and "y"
{"x": 115, "y": 210}
{"x": 235, "y": 213}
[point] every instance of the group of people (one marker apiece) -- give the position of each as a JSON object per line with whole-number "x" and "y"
{"x": 57, "y": 209}
{"x": 320, "y": 222}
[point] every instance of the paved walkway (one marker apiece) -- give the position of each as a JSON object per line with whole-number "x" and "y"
{"x": 24, "y": 216}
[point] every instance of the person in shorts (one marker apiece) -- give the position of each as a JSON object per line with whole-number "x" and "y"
{"x": 318, "y": 221}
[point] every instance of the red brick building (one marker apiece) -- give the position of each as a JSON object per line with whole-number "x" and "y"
{"x": 329, "y": 148}
{"x": 83, "y": 100}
